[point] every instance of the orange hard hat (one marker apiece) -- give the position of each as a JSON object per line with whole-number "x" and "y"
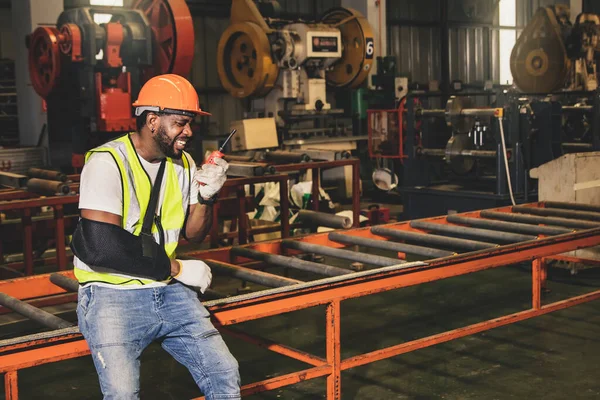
{"x": 169, "y": 93}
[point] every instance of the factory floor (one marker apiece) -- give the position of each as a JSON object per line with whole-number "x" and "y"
{"x": 555, "y": 356}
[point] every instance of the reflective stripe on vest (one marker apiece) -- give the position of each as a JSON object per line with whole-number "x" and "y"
{"x": 137, "y": 188}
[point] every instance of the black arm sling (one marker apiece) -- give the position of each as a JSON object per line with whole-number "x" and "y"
{"x": 110, "y": 246}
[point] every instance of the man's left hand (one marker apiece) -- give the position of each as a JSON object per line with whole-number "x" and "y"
{"x": 211, "y": 177}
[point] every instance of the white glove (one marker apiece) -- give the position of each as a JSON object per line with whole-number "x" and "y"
{"x": 211, "y": 178}
{"x": 194, "y": 273}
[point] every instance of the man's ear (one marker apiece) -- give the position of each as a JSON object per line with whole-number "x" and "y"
{"x": 152, "y": 121}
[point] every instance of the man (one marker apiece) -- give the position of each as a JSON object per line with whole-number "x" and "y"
{"x": 132, "y": 291}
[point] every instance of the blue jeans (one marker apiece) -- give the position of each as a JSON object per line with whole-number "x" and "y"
{"x": 119, "y": 324}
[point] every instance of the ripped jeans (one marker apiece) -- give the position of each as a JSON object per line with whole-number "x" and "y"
{"x": 119, "y": 324}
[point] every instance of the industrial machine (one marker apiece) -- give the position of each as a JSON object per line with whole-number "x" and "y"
{"x": 461, "y": 157}
{"x": 285, "y": 67}
{"x": 552, "y": 54}
{"x": 554, "y": 64}
{"x": 477, "y": 151}
{"x": 91, "y": 65}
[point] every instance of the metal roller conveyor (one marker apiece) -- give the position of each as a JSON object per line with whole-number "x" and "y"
{"x": 530, "y": 219}
{"x": 289, "y": 262}
{"x": 354, "y": 256}
{"x": 329, "y": 295}
{"x": 467, "y": 231}
{"x": 507, "y": 226}
{"x": 388, "y": 245}
{"x": 433, "y": 239}
{"x": 250, "y": 275}
{"x": 555, "y": 212}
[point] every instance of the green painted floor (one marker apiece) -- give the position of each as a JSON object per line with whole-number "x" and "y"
{"x": 556, "y": 356}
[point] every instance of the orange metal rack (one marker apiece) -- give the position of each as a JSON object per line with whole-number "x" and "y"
{"x": 535, "y": 232}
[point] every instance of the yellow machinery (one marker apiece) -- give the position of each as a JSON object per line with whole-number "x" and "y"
{"x": 285, "y": 62}
{"x": 552, "y": 54}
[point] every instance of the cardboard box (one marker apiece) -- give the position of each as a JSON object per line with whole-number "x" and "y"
{"x": 255, "y": 133}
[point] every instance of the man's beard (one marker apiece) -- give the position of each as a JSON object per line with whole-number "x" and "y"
{"x": 166, "y": 145}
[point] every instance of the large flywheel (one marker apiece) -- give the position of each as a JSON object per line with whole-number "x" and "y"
{"x": 44, "y": 59}
{"x": 172, "y": 35}
{"x": 244, "y": 60}
{"x": 358, "y": 48}
{"x": 539, "y": 61}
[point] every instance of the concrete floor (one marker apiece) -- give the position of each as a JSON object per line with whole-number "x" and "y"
{"x": 551, "y": 357}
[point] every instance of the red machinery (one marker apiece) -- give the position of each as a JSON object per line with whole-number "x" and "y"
{"x": 387, "y": 131}
{"x": 89, "y": 73}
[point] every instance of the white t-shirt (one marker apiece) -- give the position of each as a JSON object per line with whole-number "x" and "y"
{"x": 100, "y": 189}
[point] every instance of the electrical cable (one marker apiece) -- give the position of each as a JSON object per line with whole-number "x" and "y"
{"x": 504, "y": 153}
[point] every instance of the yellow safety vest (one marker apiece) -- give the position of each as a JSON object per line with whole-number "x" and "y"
{"x": 137, "y": 187}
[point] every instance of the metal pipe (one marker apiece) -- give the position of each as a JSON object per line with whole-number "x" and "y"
{"x": 286, "y": 156}
{"x": 324, "y": 219}
{"x": 530, "y": 219}
{"x": 507, "y": 226}
{"x": 466, "y": 112}
{"x": 433, "y": 152}
{"x": 575, "y": 145}
{"x": 555, "y": 212}
{"x": 250, "y": 275}
{"x": 63, "y": 282}
{"x": 33, "y": 313}
{"x": 47, "y": 174}
{"x": 324, "y": 155}
{"x": 289, "y": 262}
{"x": 430, "y": 113}
{"x": 480, "y": 233}
{"x": 576, "y": 108}
{"x": 462, "y": 153}
{"x": 478, "y": 112}
{"x": 432, "y": 239}
{"x": 237, "y": 168}
{"x": 354, "y": 256}
{"x": 43, "y": 186}
{"x": 388, "y": 245}
{"x": 572, "y": 206}
{"x": 473, "y": 153}
{"x": 230, "y": 157}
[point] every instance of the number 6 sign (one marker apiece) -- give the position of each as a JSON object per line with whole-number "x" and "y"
{"x": 370, "y": 48}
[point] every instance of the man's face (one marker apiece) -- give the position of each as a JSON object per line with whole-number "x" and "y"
{"x": 173, "y": 134}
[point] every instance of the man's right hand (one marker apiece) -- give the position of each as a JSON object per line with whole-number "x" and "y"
{"x": 211, "y": 177}
{"x": 194, "y": 273}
